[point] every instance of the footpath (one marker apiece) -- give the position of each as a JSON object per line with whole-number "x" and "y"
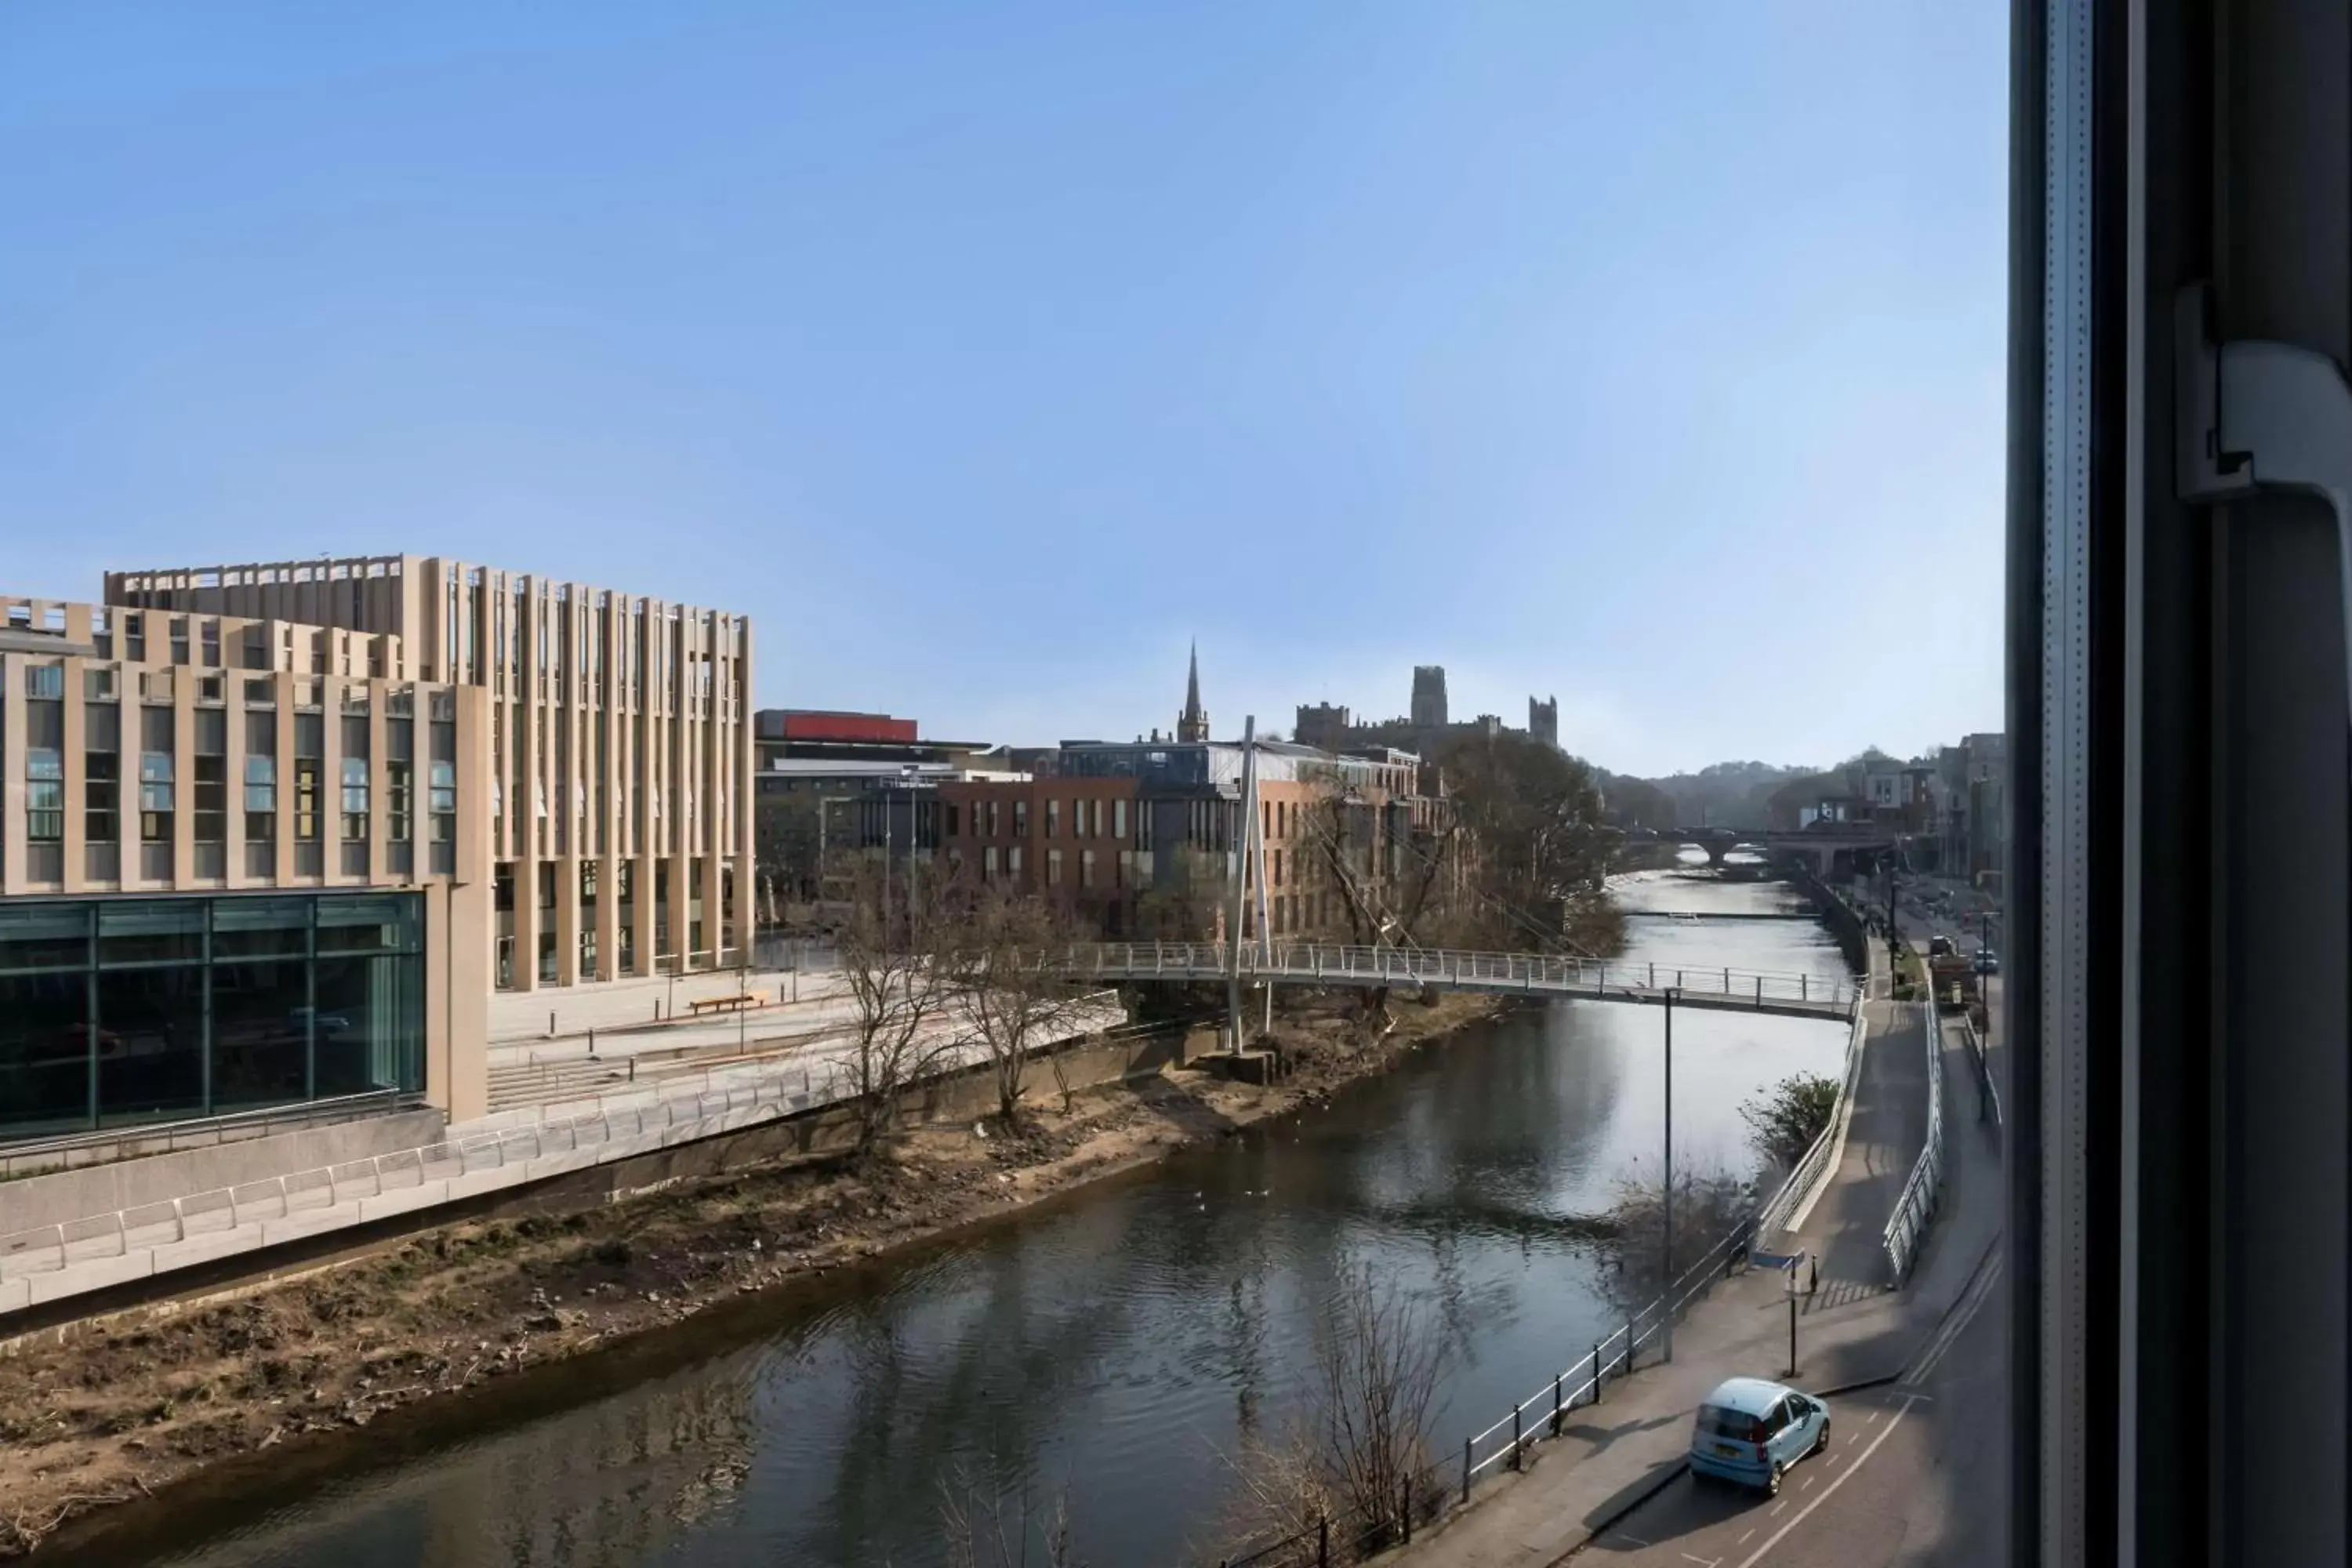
{"x": 1850, "y": 1329}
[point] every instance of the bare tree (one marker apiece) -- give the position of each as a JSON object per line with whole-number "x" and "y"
{"x": 897, "y": 966}
{"x": 1057, "y": 1062}
{"x": 1006, "y": 992}
{"x": 1710, "y": 1203}
{"x": 976, "y": 1519}
{"x": 1339, "y": 863}
{"x": 1359, "y": 1456}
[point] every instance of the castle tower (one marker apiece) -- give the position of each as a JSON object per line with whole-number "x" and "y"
{"x": 1428, "y": 696}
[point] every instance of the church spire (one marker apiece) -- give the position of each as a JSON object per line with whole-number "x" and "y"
{"x": 1193, "y": 724}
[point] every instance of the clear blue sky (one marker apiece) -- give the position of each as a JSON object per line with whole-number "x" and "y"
{"x": 987, "y": 354}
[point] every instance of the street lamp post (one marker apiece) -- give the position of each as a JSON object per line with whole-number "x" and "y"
{"x": 1669, "y": 1343}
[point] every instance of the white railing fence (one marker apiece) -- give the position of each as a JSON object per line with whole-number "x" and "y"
{"x": 1917, "y": 1206}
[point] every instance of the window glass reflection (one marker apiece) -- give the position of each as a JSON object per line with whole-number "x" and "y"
{"x": 261, "y": 1043}
{"x": 150, "y": 1043}
{"x": 124, "y": 1010}
{"x": 44, "y": 1054}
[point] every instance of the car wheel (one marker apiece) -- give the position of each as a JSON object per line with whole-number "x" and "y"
{"x": 1822, "y": 1441}
{"x": 1772, "y": 1481}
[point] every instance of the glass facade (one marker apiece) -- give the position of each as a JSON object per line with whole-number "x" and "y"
{"x": 121, "y": 1010}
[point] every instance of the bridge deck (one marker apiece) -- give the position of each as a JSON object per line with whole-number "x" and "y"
{"x": 1495, "y": 973}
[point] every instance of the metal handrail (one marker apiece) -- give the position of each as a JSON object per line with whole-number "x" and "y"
{"x": 1925, "y": 1187}
{"x": 1328, "y": 962}
{"x": 1983, "y": 1063}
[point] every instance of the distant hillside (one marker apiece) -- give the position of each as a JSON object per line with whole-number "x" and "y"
{"x": 1725, "y": 795}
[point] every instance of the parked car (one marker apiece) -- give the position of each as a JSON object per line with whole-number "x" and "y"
{"x": 1750, "y": 1431}
{"x": 1988, "y": 961}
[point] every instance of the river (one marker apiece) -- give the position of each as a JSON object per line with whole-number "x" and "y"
{"x": 1108, "y": 1346}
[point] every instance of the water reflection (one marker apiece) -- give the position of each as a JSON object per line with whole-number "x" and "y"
{"x": 1113, "y": 1343}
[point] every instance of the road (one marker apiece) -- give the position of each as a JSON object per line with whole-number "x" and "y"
{"x": 1915, "y": 1473}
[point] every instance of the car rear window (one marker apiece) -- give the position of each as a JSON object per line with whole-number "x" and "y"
{"x": 1715, "y": 1421}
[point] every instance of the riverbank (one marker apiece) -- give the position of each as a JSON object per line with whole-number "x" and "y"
{"x": 121, "y": 1407}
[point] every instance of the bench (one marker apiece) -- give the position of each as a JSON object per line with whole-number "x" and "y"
{"x": 727, "y": 1003}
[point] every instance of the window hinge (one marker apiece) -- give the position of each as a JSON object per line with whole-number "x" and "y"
{"x": 2257, "y": 416}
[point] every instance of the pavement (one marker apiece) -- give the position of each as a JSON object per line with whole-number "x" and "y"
{"x": 1615, "y": 1482}
{"x": 562, "y": 1015}
{"x": 1841, "y": 1232}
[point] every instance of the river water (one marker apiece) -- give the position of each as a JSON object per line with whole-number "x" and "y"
{"x": 1110, "y": 1345}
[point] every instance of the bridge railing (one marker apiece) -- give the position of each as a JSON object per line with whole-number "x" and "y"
{"x": 1331, "y": 963}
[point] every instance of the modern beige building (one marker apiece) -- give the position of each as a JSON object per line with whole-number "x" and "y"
{"x": 239, "y": 867}
{"x": 617, "y": 778}
{"x": 275, "y": 831}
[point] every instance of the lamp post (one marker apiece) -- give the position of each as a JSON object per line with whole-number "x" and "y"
{"x": 1669, "y": 1342}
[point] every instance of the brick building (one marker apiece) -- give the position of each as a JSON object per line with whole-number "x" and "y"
{"x": 1140, "y": 839}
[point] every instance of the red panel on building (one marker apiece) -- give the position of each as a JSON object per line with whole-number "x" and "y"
{"x": 804, "y": 724}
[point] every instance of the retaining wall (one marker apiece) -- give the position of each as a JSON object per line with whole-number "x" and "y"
{"x": 563, "y": 1176}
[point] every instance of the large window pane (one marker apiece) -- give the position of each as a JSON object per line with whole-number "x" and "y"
{"x": 43, "y": 936}
{"x": 151, "y": 931}
{"x": 151, "y": 1042}
{"x": 368, "y": 922}
{"x": 261, "y": 926}
{"x": 260, "y": 1033}
{"x": 369, "y": 1022}
{"x": 44, "y": 1054}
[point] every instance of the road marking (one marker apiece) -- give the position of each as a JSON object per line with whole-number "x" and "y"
{"x": 1779, "y": 1505}
{"x": 1979, "y": 1291}
{"x": 1803, "y": 1484}
{"x": 1887, "y": 1431}
{"x": 1872, "y": 1417}
{"x": 1743, "y": 1540}
{"x": 1711, "y": 1562}
{"x": 1634, "y": 1539}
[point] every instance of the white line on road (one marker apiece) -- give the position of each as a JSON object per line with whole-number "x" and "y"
{"x": 1743, "y": 1540}
{"x": 1777, "y": 1507}
{"x": 1977, "y": 1297}
{"x": 1884, "y": 1433}
{"x": 1634, "y": 1539}
{"x": 1711, "y": 1562}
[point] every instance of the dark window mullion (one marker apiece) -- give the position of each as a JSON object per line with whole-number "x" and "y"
{"x": 310, "y": 1003}
{"x": 205, "y": 1016}
{"x": 89, "y": 1005}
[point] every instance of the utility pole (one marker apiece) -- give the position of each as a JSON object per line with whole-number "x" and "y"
{"x": 1670, "y": 1174}
{"x": 1241, "y": 881}
{"x": 1264, "y": 904}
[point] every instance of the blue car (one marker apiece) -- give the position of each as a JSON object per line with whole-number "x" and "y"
{"x": 1751, "y": 1431}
